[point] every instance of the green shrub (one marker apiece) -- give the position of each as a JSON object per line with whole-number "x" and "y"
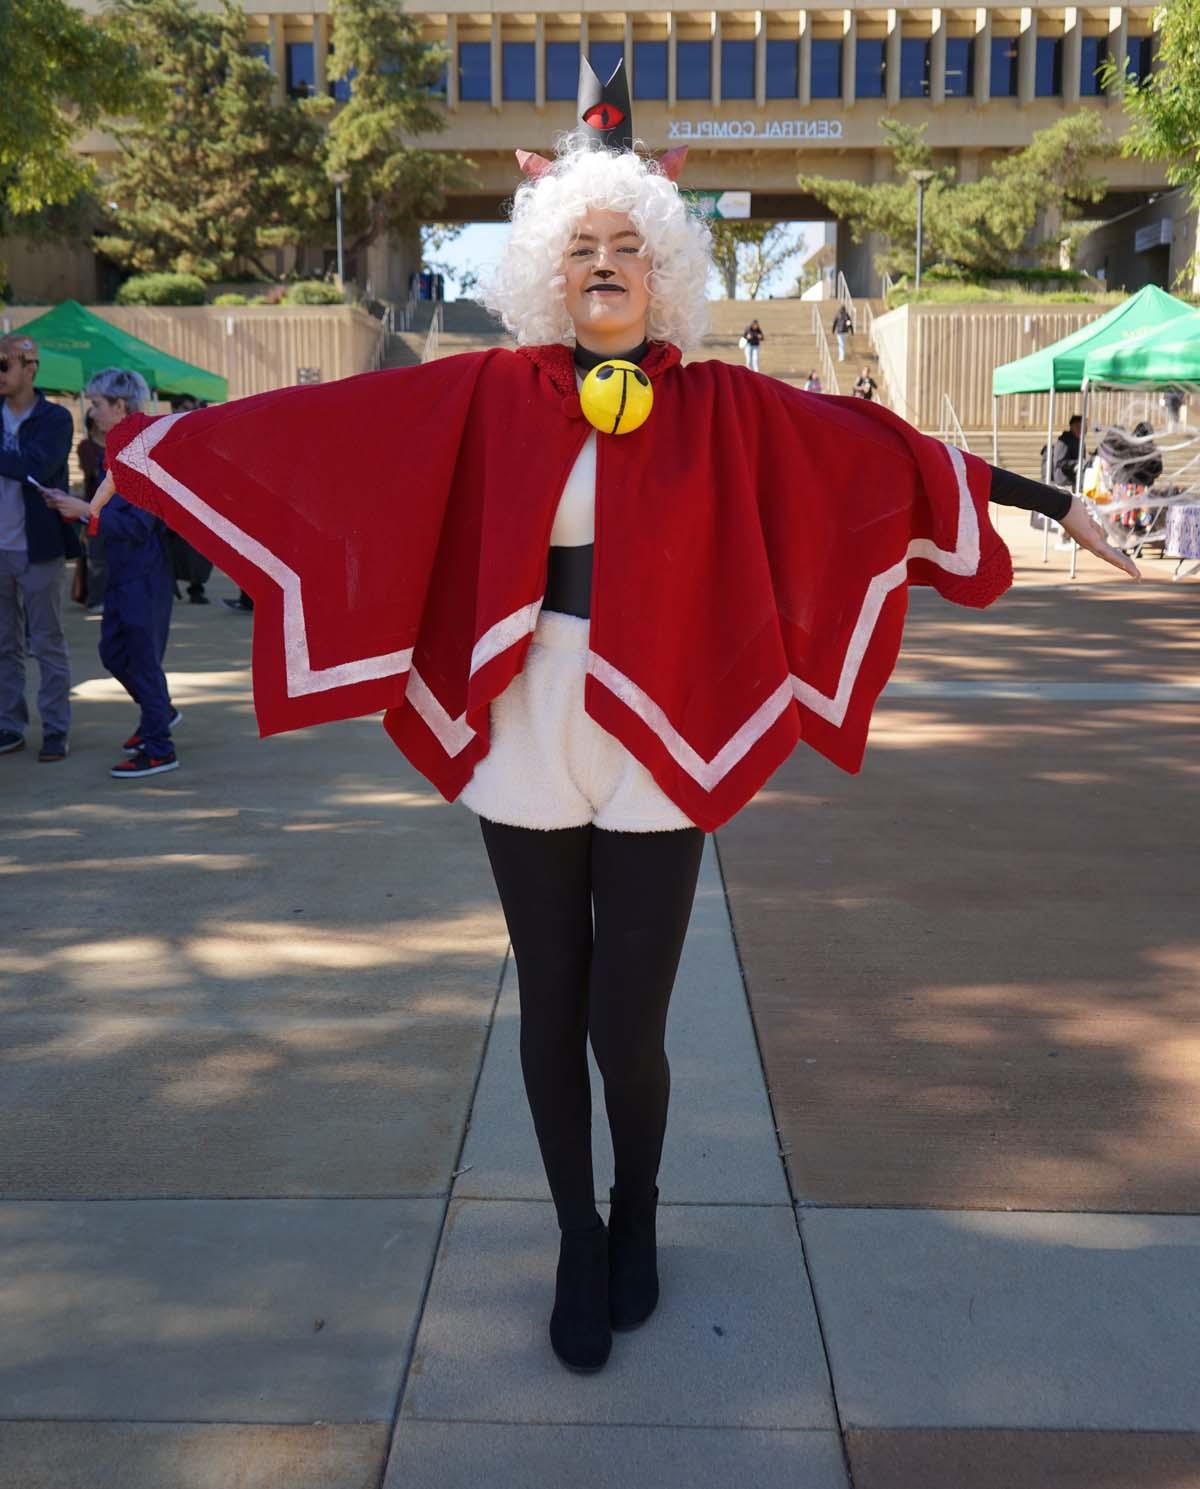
{"x": 313, "y": 292}
{"x": 162, "y": 289}
{"x": 231, "y": 298}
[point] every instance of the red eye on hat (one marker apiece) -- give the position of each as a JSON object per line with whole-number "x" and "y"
{"x": 604, "y": 116}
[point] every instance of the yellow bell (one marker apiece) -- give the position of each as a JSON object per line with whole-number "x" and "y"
{"x": 616, "y": 397}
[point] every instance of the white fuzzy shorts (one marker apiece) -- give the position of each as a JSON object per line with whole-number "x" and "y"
{"x": 549, "y": 765}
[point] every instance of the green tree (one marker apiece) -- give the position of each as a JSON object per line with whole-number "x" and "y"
{"x": 62, "y": 73}
{"x": 213, "y": 171}
{"x": 748, "y": 253}
{"x": 394, "y": 78}
{"x": 973, "y": 227}
{"x": 1164, "y": 109}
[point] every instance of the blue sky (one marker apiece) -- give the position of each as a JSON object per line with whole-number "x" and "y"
{"x": 482, "y": 242}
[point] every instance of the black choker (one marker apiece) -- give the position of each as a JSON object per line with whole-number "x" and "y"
{"x": 587, "y": 360}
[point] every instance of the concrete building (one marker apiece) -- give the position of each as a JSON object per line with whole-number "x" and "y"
{"x": 758, "y": 94}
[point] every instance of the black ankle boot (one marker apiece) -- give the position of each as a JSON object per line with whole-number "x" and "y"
{"x": 579, "y": 1327}
{"x": 632, "y": 1259}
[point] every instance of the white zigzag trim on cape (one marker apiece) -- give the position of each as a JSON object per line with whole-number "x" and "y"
{"x": 302, "y": 677}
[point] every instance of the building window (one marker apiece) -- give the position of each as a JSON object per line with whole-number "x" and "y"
{"x": 1047, "y": 77}
{"x": 475, "y": 71}
{"x": 783, "y": 69}
{"x": 301, "y": 73}
{"x": 261, "y": 50}
{"x": 562, "y": 69}
{"x": 604, "y": 56}
{"x": 1139, "y": 57}
{"x": 340, "y": 88}
{"x": 649, "y": 69}
{"x": 914, "y": 67}
{"x": 1004, "y": 67}
{"x": 826, "y": 68}
{"x": 1093, "y": 54}
{"x": 868, "y": 68}
{"x": 693, "y": 78}
{"x": 516, "y": 71}
{"x": 737, "y": 69}
{"x": 960, "y": 66}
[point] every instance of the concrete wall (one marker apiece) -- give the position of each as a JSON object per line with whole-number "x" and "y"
{"x": 1112, "y": 251}
{"x": 49, "y": 272}
{"x": 256, "y": 347}
{"x": 928, "y": 350}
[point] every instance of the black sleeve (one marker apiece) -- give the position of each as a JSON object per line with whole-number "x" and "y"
{"x": 1011, "y": 490}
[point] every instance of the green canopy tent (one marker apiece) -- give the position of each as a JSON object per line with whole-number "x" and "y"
{"x": 75, "y": 344}
{"x": 1159, "y": 358}
{"x": 1059, "y": 367}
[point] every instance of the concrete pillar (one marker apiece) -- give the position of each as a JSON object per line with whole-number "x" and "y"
{"x": 937, "y": 59}
{"x": 849, "y": 60}
{"x": 672, "y": 60}
{"x": 583, "y": 33}
{"x": 320, "y": 46}
{"x": 452, "y": 65}
{"x": 804, "y": 73}
{"x": 760, "y": 60}
{"x": 497, "y": 74}
{"x": 891, "y": 71}
{"x": 1072, "y": 53}
{"x": 539, "y": 61}
{"x": 389, "y": 261}
{"x": 983, "y": 55}
{"x": 714, "y": 46}
{"x": 1118, "y": 40}
{"x": 1027, "y": 57}
{"x": 278, "y": 57}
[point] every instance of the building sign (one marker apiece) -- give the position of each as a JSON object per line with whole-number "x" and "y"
{"x": 308, "y": 374}
{"x": 722, "y": 204}
{"x": 754, "y": 129}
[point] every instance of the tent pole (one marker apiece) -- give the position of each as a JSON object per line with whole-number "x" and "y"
{"x": 1083, "y": 427}
{"x": 1047, "y": 473}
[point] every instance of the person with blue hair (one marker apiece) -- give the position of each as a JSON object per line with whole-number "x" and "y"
{"x": 141, "y": 588}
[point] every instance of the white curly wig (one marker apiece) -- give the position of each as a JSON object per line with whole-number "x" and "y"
{"x": 527, "y": 288}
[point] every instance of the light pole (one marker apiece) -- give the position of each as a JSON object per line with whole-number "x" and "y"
{"x": 339, "y": 180}
{"x": 920, "y": 177}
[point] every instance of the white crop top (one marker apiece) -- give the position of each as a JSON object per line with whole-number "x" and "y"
{"x": 575, "y": 519}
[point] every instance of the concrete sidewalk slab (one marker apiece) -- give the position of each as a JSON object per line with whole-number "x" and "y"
{"x": 188, "y": 1455}
{"x": 1024, "y": 1460}
{"x": 720, "y": 1146}
{"x": 944, "y": 1319}
{"x": 459, "y": 1455}
{"x": 210, "y": 1310}
{"x": 734, "y": 1342}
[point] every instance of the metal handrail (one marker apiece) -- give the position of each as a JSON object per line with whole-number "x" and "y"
{"x": 886, "y": 284}
{"x": 842, "y": 291}
{"x": 407, "y": 311}
{"x": 829, "y": 377}
{"x": 949, "y": 427}
{"x": 435, "y": 332}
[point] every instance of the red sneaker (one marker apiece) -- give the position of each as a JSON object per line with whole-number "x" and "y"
{"x": 142, "y": 764}
{"x": 134, "y": 743}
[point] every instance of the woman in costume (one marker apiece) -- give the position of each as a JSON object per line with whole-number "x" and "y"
{"x": 623, "y": 590}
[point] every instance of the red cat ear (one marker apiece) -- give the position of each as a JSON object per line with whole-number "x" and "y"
{"x": 533, "y": 165}
{"x": 671, "y": 163}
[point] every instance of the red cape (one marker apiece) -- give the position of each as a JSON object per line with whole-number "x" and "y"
{"x": 754, "y": 545}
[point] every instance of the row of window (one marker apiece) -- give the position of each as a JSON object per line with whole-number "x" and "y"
{"x": 694, "y": 60}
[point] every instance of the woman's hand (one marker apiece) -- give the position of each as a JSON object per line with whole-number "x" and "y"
{"x": 67, "y": 505}
{"x": 103, "y": 496}
{"x": 1087, "y": 532}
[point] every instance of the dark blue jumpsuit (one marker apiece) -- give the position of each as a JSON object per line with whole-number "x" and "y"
{"x": 137, "y": 616}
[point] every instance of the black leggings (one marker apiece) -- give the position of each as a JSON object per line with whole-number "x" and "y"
{"x": 609, "y": 979}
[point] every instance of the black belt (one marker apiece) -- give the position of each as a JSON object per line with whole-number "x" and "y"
{"x": 569, "y": 580}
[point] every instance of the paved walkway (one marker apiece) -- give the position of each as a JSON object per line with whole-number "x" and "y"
{"x": 270, "y": 1205}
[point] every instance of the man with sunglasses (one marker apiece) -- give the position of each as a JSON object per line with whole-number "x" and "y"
{"x": 35, "y": 443}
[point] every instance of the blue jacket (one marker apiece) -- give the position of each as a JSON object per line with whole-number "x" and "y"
{"x": 44, "y": 442}
{"x": 134, "y": 543}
